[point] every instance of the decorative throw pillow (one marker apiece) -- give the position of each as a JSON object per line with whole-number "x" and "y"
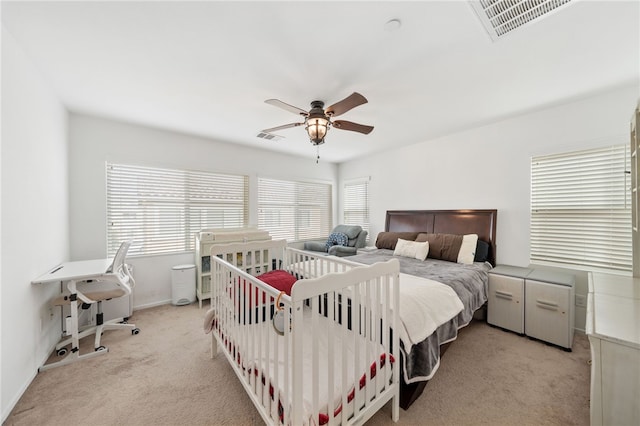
{"x": 451, "y": 247}
{"x": 411, "y": 249}
{"x": 337, "y": 239}
{"x": 442, "y": 246}
{"x": 387, "y": 240}
{"x": 482, "y": 251}
{"x": 468, "y": 249}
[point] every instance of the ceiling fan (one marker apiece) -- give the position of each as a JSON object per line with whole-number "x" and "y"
{"x": 318, "y": 120}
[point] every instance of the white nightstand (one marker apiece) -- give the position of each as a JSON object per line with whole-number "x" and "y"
{"x": 535, "y": 302}
{"x": 549, "y": 301}
{"x": 506, "y": 297}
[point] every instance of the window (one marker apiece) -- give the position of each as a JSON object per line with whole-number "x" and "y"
{"x": 162, "y": 209}
{"x": 581, "y": 210}
{"x": 356, "y": 203}
{"x": 294, "y": 211}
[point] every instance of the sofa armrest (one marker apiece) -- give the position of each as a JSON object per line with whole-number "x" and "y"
{"x": 315, "y": 246}
{"x": 342, "y": 251}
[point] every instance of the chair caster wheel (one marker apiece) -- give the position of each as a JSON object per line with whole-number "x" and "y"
{"x": 135, "y": 331}
{"x": 101, "y": 348}
{"x": 62, "y": 352}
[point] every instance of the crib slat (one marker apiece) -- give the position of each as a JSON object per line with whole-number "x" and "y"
{"x": 315, "y": 380}
{"x": 357, "y": 328}
{"x": 385, "y": 370}
{"x": 252, "y": 333}
{"x": 277, "y": 385}
{"x": 264, "y": 371}
{"x": 378, "y": 318}
{"x": 345, "y": 361}
{"x": 331, "y": 314}
{"x": 297, "y": 353}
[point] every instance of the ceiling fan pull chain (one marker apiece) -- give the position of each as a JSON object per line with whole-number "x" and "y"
{"x": 317, "y": 153}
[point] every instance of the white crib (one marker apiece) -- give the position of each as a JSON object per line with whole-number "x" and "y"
{"x": 337, "y": 361}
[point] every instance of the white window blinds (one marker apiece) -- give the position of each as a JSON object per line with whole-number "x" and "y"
{"x": 161, "y": 209}
{"x": 581, "y": 210}
{"x": 294, "y": 211}
{"x": 356, "y": 203}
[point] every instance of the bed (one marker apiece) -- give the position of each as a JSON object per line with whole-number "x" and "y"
{"x": 319, "y": 352}
{"x": 470, "y": 282}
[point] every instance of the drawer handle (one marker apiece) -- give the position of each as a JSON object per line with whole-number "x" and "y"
{"x": 504, "y": 295}
{"x": 547, "y": 305}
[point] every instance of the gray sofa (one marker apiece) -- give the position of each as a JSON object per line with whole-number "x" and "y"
{"x": 357, "y": 239}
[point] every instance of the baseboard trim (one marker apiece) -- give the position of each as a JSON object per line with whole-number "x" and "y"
{"x": 152, "y": 305}
{"x": 23, "y": 389}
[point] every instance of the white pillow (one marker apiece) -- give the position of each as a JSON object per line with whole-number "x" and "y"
{"x": 468, "y": 249}
{"x": 411, "y": 249}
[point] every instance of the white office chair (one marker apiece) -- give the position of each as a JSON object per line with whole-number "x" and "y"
{"x": 117, "y": 273}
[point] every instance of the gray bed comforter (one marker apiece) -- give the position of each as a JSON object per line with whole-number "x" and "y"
{"x": 470, "y": 283}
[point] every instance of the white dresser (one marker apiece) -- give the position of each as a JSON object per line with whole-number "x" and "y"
{"x": 205, "y": 239}
{"x": 613, "y": 328}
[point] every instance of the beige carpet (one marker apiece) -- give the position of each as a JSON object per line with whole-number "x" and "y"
{"x": 164, "y": 376}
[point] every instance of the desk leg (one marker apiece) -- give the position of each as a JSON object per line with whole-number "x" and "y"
{"x": 73, "y": 296}
{"x": 75, "y": 340}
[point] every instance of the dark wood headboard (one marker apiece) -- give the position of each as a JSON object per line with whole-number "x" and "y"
{"x": 481, "y": 222}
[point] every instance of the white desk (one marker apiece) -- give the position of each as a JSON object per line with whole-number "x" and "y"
{"x": 71, "y": 273}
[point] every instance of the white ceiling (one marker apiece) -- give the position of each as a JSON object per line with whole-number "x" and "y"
{"x": 205, "y": 68}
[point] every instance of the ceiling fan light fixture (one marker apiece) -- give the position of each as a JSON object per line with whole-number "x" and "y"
{"x": 317, "y": 128}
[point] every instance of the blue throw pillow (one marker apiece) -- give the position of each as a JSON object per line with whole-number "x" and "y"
{"x": 337, "y": 239}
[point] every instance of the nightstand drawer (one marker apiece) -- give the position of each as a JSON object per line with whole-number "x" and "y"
{"x": 506, "y": 302}
{"x": 548, "y": 312}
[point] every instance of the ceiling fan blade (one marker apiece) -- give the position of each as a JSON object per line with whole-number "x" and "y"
{"x": 293, "y": 109}
{"x": 284, "y": 126}
{"x": 351, "y": 101}
{"x": 354, "y": 127}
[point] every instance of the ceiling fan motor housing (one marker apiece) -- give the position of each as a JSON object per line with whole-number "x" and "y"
{"x": 317, "y": 106}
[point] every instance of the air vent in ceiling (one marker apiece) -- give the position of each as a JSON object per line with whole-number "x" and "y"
{"x": 500, "y": 17}
{"x": 269, "y": 136}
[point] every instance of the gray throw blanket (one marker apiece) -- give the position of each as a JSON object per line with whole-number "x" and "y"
{"x": 470, "y": 283}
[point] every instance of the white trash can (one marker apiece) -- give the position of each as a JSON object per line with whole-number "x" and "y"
{"x": 183, "y": 284}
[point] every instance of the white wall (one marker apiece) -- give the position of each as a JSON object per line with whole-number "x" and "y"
{"x": 489, "y": 167}
{"x": 95, "y": 141}
{"x": 34, "y": 219}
